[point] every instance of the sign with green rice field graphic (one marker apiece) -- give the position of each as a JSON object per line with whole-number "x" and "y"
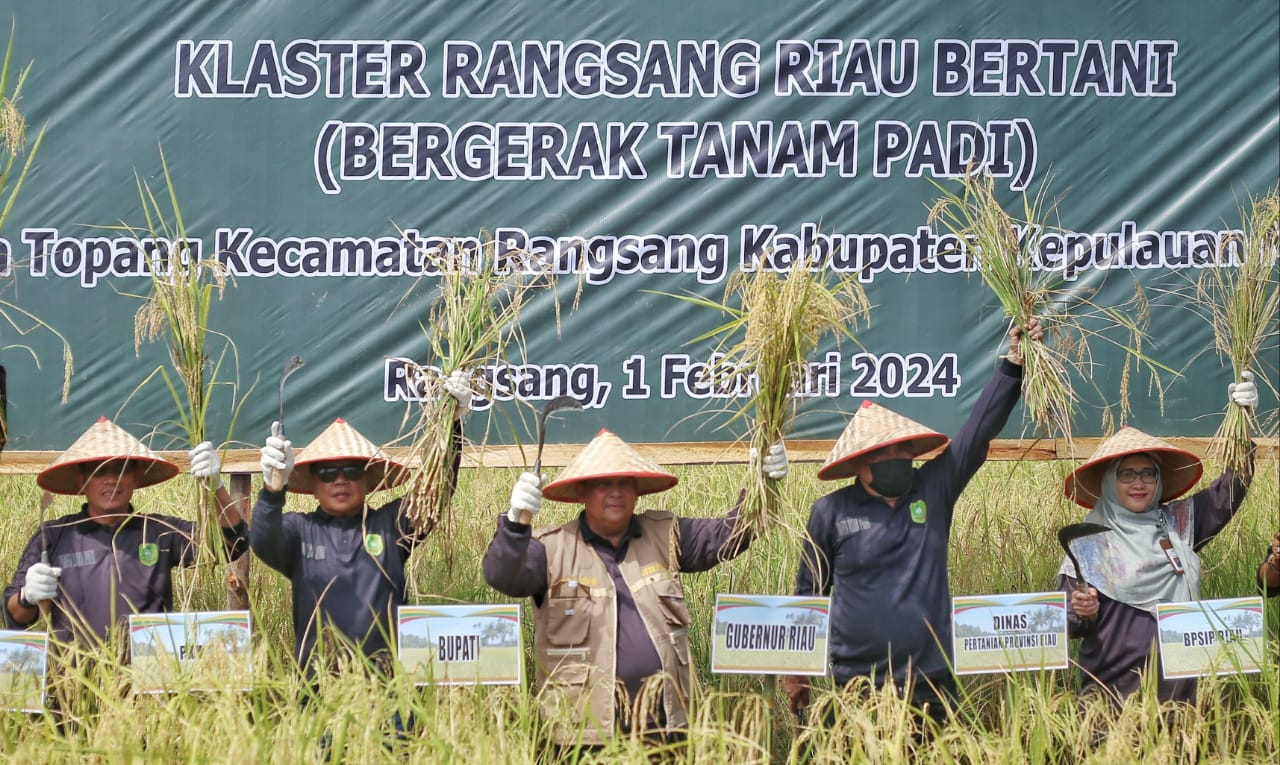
{"x": 24, "y": 664}
{"x": 1211, "y": 637}
{"x": 1019, "y": 632}
{"x": 325, "y": 162}
{"x": 770, "y": 634}
{"x": 191, "y": 651}
{"x": 460, "y": 645}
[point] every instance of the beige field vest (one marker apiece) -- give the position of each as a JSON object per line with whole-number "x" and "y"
{"x": 575, "y": 628}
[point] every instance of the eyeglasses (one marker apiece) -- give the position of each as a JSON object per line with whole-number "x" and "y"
{"x": 329, "y": 473}
{"x": 1129, "y": 475}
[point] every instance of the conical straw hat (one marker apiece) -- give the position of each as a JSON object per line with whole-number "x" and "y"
{"x": 340, "y": 441}
{"x": 608, "y": 456}
{"x": 104, "y": 440}
{"x": 871, "y": 428}
{"x": 1179, "y": 468}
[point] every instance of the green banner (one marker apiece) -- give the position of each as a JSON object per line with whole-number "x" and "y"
{"x": 638, "y": 149}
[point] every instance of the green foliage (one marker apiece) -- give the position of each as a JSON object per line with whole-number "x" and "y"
{"x": 1003, "y": 541}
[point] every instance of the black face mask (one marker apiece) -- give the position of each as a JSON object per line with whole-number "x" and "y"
{"x": 893, "y": 478}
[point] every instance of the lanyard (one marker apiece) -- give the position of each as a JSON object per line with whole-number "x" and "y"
{"x": 1166, "y": 545}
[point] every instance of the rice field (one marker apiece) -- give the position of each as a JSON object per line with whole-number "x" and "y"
{"x": 1003, "y": 541}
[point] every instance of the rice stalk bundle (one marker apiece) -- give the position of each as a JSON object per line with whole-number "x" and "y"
{"x": 1241, "y": 304}
{"x": 776, "y": 321}
{"x": 1001, "y": 248}
{"x": 473, "y": 319}
{"x": 175, "y": 310}
{"x": 13, "y": 145}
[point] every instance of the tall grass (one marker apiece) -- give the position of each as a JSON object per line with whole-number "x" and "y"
{"x": 1004, "y": 541}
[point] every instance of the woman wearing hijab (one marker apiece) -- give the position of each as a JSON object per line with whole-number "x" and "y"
{"x": 1131, "y": 485}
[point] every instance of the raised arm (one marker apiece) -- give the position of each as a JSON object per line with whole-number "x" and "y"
{"x": 515, "y": 563}
{"x": 968, "y": 450}
{"x": 273, "y": 540}
{"x": 705, "y": 542}
{"x": 206, "y": 466}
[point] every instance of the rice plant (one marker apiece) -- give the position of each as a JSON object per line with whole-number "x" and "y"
{"x": 1004, "y": 249}
{"x": 1241, "y": 304}
{"x": 13, "y": 147}
{"x": 473, "y": 321}
{"x": 183, "y": 287}
{"x": 774, "y": 324}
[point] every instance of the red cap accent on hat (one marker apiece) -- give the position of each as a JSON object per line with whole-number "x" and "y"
{"x": 339, "y": 419}
{"x": 102, "y": 419}
{"x": 866, "y": 403}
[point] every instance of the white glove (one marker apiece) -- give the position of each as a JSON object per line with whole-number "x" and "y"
{"x": 526, "y": 497}
{"x": 458, "y": 385}
{"x": 41, "y": 584}
{"x": 1244, "y": 393}
{"x": 277, "y": 459}
{"x": 205, "y": 463}
{"x": 775, "y": 463}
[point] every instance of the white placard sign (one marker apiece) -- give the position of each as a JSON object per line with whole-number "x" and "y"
{"x": 1211, "y": 637}
{"x": 770, "y": 634}
{"x": 24, "y": 663}
{"x": 1009, "y": 633}
{"x": 195, "y": 650}
{"x": 461, "y": 645}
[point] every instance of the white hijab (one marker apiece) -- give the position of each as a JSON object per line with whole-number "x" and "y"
{"x": 1127, "y": 563}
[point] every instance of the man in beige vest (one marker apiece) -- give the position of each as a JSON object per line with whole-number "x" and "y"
{"x": 610, "y": 623}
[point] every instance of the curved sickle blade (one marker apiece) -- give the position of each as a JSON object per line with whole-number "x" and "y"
{"x": 292, "y": 365}
{"x": 1070, "y": 533}
{"x": 557, "y": 404}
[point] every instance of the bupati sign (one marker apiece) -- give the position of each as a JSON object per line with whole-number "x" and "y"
{"x": 318, "y": 155}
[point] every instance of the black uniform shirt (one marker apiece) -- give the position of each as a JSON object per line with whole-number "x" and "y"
{"x": 110, "y": 572}
{"x": 885, "y": 568}
{"x": 347, "y": 572}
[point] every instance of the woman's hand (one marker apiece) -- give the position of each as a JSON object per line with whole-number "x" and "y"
{"x": 1084, "y": 603}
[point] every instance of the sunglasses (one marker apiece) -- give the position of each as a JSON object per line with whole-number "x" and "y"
{"x": 1129, "y": 475}
{"x": 330, "y": 473}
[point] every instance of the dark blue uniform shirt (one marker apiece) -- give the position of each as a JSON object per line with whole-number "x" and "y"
{"x": 110, "y": 572}
{"x": 347, "y": 572}
{"x": 885, "y": 568}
